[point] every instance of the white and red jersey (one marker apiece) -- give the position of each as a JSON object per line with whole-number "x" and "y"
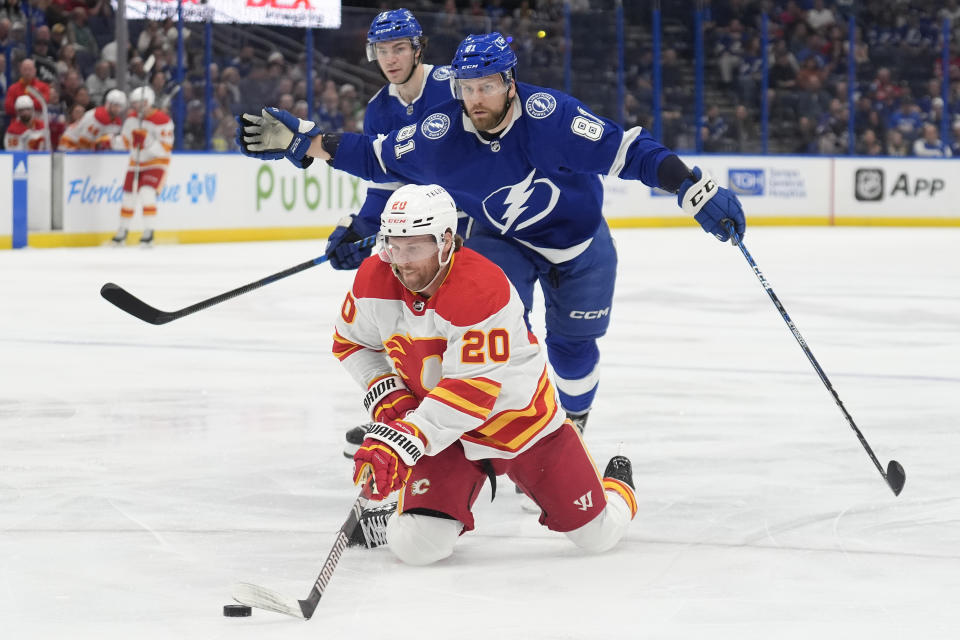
{"x": 95, "y": 130}
{"x": 22, "y": 137}
{"x": 465, "y": 353}
{"x": 149, "y": 139}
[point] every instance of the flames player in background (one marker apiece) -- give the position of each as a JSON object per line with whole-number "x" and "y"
{"x": 148, "y": 134}
{"x": 434, "y": 333}
{"x": 525, "y": 163}
{"x": 99, "y": 128}
{"x": 396, "y": 43}
{"x": 27, "y": 132}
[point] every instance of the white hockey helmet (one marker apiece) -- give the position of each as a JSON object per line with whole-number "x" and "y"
{"x": 23, "y": 102}
{"x": 416, "y": 210}
{"x": 115, "y": 96}
{"x": 144, "y": 95}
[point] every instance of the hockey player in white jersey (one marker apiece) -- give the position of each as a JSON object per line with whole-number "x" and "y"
{"x": 396, "y": 43}
{"x": 148, "y": 134}
{"x": 434, "y": 333}
{"x": 525, "y": 163}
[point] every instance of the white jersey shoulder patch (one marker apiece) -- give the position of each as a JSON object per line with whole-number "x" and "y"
{"x": 540, "y": 105}
{"x": 435, "y": 125}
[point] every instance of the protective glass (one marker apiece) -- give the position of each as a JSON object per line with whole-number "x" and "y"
{"x": 477, "y": 88}
{"x": 400, "y": 250}
{"x": 387, "y": 48}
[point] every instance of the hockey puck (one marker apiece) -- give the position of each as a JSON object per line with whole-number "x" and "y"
{"x": 237, "y": 611}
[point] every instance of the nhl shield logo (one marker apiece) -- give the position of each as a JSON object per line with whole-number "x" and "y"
{"x": 540, "y": 105}
{"x": 435, "y": 125}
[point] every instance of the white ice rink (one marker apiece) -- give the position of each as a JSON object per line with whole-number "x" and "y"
{"x": 144, "y": 470}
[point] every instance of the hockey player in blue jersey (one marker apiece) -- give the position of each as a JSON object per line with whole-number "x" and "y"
{"x": 525, "y": 163}
{"x": 396, "y": 43}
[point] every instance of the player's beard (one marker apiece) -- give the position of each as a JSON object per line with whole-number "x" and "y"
{"x": 491, "y": 120}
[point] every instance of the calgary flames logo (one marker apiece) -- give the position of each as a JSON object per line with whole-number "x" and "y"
{"x": 417, "y": 361}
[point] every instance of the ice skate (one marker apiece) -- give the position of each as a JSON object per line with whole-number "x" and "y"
{"x": 146, "y": 239}
{"x": 120, "y": 238}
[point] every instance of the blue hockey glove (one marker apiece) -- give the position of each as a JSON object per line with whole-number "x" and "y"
{"x": 341, "y": 252}
{"x": 711, "y": 204}
{"x": 276, "y": 134}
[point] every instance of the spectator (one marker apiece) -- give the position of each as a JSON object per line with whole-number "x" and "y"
{"x": 713, "y": 130}
{"x": 80, "y": 35}
{"x": 744, "y": 131}
{"x": 58, "y": 38}
{"x": 99, "y": 82}
{"x": 28, "y": 78}
{"x": 150, "y": 38}
{"x": 868, "y": 144}
{"x": 896, "y": 145}
{"x": 69, "y": 84}
{"x": 82, "y": 98}
{"x": 907, "y": 119}
{"x": 820, "y": 17}
{"x": 136, "y": 76}
{"x": 243, "y": 61}
{"x": 3, "y": 76}
{"x": 194, "y": 128}
{"x": 955, "y": 147}
{"x": 67, "y": 60}
{"x": 223, "y": 137}
{"x": 930, "y": 145}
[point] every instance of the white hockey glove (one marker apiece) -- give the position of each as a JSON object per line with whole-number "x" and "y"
{"x": 276, "y": 134}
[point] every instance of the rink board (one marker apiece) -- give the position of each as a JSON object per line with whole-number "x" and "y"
{"x": 75, "y": 198}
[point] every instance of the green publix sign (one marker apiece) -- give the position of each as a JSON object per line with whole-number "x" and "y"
{"x": 335, "y": 190}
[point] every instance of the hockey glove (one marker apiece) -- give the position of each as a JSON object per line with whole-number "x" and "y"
{"x": 711, "y": 204}
{"x": 389, "y": 399}
{"x": 388, "y": 452}
{"x": 276, "y": 134}
{"x": 341, "y": 252}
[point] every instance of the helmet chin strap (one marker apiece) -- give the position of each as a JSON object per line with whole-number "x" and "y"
{"x": 416, "y": 63}
{"x": 440, "y": 270}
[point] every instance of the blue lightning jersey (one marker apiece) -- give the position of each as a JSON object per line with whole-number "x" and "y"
{"x": 538, "y": 182}
{"x": 387, "y": 111}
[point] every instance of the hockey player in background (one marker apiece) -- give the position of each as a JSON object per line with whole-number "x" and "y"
{"x": 148, "y": 134}
{"x": 396, "y": 42}
{"x": 525, "y": 163}
{"x": 459, "y": 391}
{"x": 99, "y": 128}
{"x": 27, "y": 132}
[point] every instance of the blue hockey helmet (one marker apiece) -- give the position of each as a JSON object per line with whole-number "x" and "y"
{"x": 484, "y": 55}
{"x": 392, "y": 25}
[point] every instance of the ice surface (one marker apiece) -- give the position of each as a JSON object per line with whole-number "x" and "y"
{"x": 144, "y": 470}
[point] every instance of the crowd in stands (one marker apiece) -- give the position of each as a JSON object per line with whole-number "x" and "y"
{"x": 66, "y": 50}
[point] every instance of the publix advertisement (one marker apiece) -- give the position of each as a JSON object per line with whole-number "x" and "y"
{"x": 208, "y": 191}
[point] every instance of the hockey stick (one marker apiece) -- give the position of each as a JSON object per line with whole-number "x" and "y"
{"x": 894, "y": 476}
{"x": 255, "y": 596}
{"x": 123, "y": 299}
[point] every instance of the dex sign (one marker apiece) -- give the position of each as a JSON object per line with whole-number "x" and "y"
{"x": 291, "y": 13}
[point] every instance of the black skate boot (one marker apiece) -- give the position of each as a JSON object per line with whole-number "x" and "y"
{"x": 371, "y": 531}
{"x": 120, "y": 238}
{"x": 579, "y": 420}
{"x": 619, "y": 468}
{"x": 146, "y": 239}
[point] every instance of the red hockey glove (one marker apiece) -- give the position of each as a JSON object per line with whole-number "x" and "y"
{"x": 389, "y": 399}
{"x": 388, "y": 452}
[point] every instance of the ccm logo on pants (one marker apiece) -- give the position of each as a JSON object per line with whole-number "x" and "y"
{"x": 590, "y": 315}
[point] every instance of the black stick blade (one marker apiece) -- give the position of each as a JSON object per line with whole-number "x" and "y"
{"x": 896, "y": 477}
{"x": 126, "y": 301}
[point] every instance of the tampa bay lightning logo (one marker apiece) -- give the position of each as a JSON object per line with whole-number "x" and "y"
{"x": 442, "y": 73}
{"x": 540, "y": 105}
{"x": 507, "y": 207}
{"x": 435, "y": 125}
